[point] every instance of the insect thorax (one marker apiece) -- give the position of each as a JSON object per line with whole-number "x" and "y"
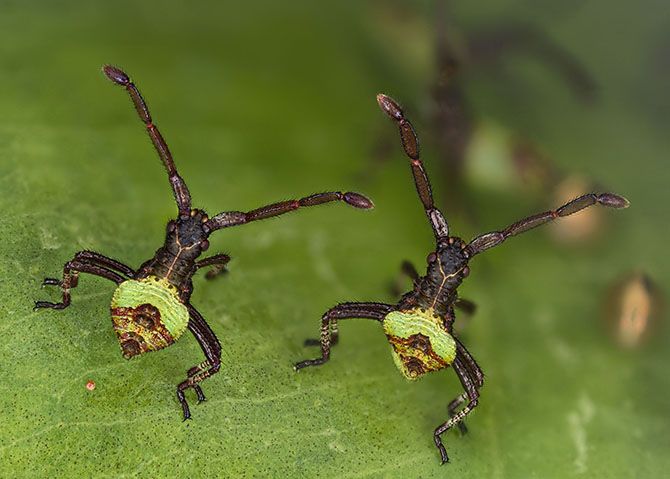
{"x": 420, "y": 341}
{"x": 147, "y": 315}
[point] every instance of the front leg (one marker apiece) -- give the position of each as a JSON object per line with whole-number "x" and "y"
{"x": 84, "y": 262}
{"x": 218, "y": 263}
{"x": 211, "y": 348}
{"x": 329, "y": 332}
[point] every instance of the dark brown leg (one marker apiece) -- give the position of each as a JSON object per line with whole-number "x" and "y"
{"x": 83, "y": 262}
{"x": 335, "y": 332}
{"x": 195, "y": 371}
{"x": 329, "y": 330}
{"x": 211, "y": 348}
{"x": 473, "y": 368}
{"x": 489, "y": 240}
{"x": 96, "y": 259}
{"x": 470, "y": 384}
{"x": 468, "y": 307}
{"x": 235, "y": 218}
{"x": 100, "y": 260}
{"x": 179, "y": 188}
{"x": 218, "y": 262}
{"x": 453, "y": 406}
{"x": 475, "y": 374}
{"x": 409, "y": 269}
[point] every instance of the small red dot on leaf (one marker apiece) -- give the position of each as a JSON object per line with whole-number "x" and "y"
{"x": 90, "y": 385}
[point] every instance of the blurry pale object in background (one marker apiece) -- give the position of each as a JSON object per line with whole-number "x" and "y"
{"x": 633, "y": 310}
{"x": 499, "y": 159}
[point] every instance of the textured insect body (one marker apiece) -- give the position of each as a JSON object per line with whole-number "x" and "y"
{"x": 151, "y": 306}
{"x": 419, "y": 326}
{"x": 447, "y": 267}
{"x": 147, "y": 315}
{"x": 420, "y": 331}
{"x": 421, "y": 341}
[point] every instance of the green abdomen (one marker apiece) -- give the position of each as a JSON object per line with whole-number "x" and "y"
{"x": 147, "y": 315}
{"x": 420, "y": 342}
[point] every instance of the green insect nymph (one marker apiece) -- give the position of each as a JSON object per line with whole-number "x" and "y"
{"x": 151, "y": 307}
{"x": 420, "y": 326}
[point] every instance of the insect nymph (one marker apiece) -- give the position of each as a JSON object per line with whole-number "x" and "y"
{"x": 420, "y": 326}
{"x": 150, "y": 307}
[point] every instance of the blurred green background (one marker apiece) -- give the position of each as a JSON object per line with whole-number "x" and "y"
{"x": 265, "y": 101}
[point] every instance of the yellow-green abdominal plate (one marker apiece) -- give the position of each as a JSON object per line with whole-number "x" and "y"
{"x": 147, "y": 314}
{"x": 420, "y": 342}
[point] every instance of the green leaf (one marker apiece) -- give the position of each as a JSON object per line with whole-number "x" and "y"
{"x": 271, "y": 101}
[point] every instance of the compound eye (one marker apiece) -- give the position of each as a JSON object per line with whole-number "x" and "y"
{"x": 466, "y": 271}
{"x": 204, "y": 245}
{"x": 171, "y": 226}
{"x": 431, "y": 258}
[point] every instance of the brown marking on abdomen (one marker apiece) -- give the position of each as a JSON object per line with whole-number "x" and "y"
{"x": 140, "y": 330}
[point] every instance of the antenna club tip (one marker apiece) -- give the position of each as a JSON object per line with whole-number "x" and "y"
{"x": 613, "y": 201}
{"x": 116, "y": 75}
{"x": 358, "y": 201}
{"x": 390, "y": 106}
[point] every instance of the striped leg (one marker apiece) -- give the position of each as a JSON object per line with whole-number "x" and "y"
{"x": 329, "y": 332}
{"x": 211, "y": 348}
{"x": 471, "y": 379}
{"x": 84, "y": 262}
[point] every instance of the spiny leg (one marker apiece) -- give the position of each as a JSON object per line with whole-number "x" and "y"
{"x": 218, "y": 262}
{"x": 179, "y": 187}
{"x": 334, "y": 336}
{"x": 376, "y": 311}
{"x": 453, "y": 406}
{"x": 410, "y": 143}
{"x": 335, "y": 332}
{"x": 70, "y": 279}
{"x": 96, "y": 259}
{"x": 104, "y": 261}
{"x": 475, "y": 374}
{"x": 211, "y": 348}
{"x": 469, "y": 362}
{"x": 235, "y": 218}
{"x": 469, "y": 383}
{"x": 195, "y": 371}
{"x": 489, "y": 240}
